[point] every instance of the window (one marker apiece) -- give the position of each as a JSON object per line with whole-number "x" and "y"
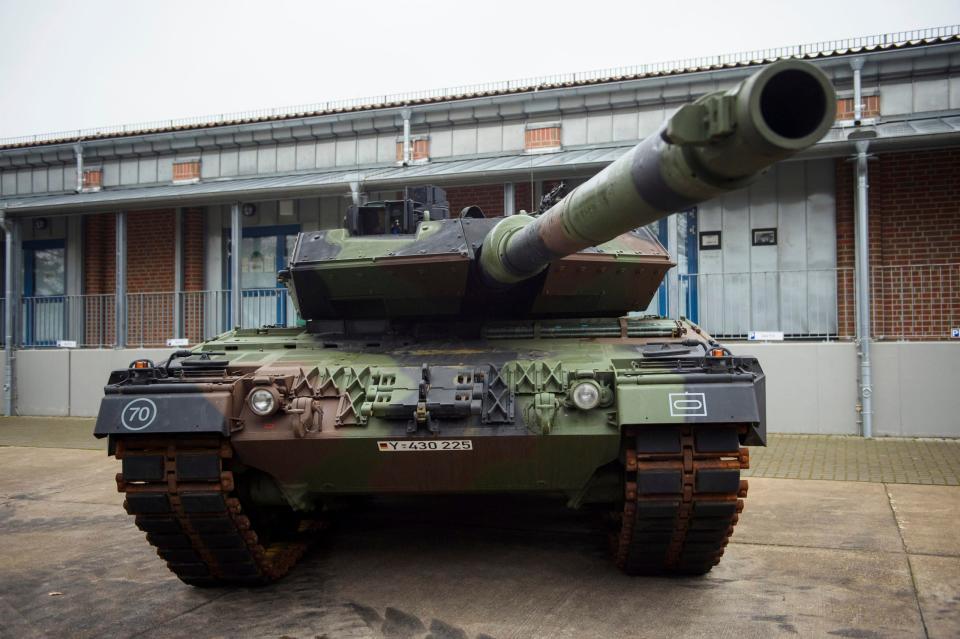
{"x": 541, "y": 136}
{"x": 92, "y": 179}
{"x": 186, "y": 171}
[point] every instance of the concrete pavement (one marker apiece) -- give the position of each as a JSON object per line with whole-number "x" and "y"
{"x": 884, "y": 459}
{"x": 809, "y": 559}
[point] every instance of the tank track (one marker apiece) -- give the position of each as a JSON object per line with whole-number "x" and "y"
{"x": 683, "y": 495}
{"x": 182, "y": 494}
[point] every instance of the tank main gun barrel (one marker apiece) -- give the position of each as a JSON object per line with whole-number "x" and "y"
{"x": 719, "y": 143}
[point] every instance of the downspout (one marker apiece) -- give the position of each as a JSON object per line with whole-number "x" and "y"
{"x": 120, "y": 287}
{"x": 9, "y": 350}
{"x": 863, "y": 289}
{"x": 862, "y": 246}
{"x": 78, "y": 150}
{"x": 406, "y": 113}
{"x": 178, "y": 325}
{"x": 236, "y": 239}
{"x": 857, "y": 64}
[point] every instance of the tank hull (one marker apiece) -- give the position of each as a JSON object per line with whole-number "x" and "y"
{"x": 658, "y": 445}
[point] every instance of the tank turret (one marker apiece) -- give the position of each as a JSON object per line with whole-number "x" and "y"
{"x": 587, "y": 255}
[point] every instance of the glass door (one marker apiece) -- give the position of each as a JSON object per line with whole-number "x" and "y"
{"x": 44, "y": 284}
{"x": 263, "y": 252}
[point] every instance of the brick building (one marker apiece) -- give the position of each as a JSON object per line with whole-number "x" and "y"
{"x": 137, "y": 223}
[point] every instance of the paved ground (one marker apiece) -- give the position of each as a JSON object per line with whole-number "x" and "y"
{"x": 50, "y": 432}
{"x": 810, "y": 558}
{"x": 887, "y": 459}
{"x": 884, "y": 459}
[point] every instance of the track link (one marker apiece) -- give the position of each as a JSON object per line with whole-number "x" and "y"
{"x": 682, "y": 498}
{"x": 182, "y": 494}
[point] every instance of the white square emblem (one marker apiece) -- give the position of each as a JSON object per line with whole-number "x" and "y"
{"x": 688, "y": 405}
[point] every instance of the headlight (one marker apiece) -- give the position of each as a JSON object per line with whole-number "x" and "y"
{"x": 586, "y": 395}
{"x": 262, "y": 401}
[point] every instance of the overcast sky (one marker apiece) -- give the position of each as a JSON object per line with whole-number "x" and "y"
{"x": 67, "y": 64}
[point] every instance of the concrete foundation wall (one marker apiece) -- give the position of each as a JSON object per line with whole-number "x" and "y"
{"x": 811, "y": 388}
{"x": 69, "y": 382}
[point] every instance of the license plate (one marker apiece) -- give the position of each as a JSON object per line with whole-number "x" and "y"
{"x": 411, "y": 446}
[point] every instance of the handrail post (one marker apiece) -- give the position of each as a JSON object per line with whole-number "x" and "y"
{"x": 120, "y": 290}
{"x": 236, "y": 225}
{"x": 11, "y": 310}
{"x": 863, "y": 289}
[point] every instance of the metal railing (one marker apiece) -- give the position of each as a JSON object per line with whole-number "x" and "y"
{"x": 152, "y": 318}
{"x": 505, "y": 86}
{"x": 912, "y": 302}
{"x": 916, "y": 302}
{"x": 802, "y": 304}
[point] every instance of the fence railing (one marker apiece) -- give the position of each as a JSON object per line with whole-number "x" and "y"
{"x": 919, "y": 302}
{"x": 805, "y": 304}
{"x": 151, "y": 318}
{"x": 916, "y": 302}
{"x": 913, "y": 302}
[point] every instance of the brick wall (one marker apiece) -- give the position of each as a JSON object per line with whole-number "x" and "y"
{"x": 523, "y": 197}
{"x": 98, "y": 278}
{"x": 488, "y": 197}
{"x": 914, "y": 200}
{"x": 150, "y": 272}
{"x": 193, "y": 249}
{"x": 150, "y": 251}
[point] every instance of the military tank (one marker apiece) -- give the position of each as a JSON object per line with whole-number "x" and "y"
{"x": 463, "y": 354}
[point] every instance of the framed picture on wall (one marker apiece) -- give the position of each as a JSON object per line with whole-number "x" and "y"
{"x": 710, "y": 241}
{"x": 764, "y": 237}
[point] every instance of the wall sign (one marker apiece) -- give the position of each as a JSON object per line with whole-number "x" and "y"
{"x": 765, "y": 336}
{"x": 710, "y": 241}
{"x": 764, "y": 237}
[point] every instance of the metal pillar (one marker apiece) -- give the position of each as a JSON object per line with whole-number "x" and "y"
{"x": 178, "y": 328}
{"x": 857, "y": 64}
{"x": 120, "y": 290}
{"x": 406, "y": 136}
{"x": 508, "y": 199}
{"x": 11, "y": 310}
{"x": 236, "y": 226}
{"x": 863, "y": 288}
{"x": 78, "y": 151}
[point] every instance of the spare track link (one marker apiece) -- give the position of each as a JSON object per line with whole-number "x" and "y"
{"x": 184, "y": 499}
{"x": 683, "y": 495}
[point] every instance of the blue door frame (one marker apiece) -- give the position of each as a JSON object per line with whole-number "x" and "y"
{"x": 29, "y": 287}
{"x": 280, "y": 231}
{"x": 692, "y": 249}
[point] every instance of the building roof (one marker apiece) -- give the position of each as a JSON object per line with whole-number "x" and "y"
{"x": 810, "y": 51}
{"x": 905, "y": 133}
{"x": 313, "y": 183}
